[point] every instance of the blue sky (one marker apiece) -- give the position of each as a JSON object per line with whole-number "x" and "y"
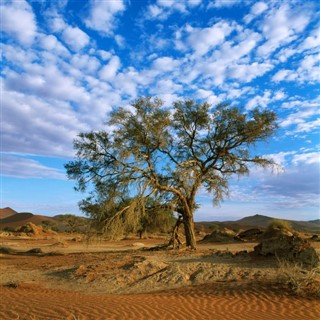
{"x": 66, "y": 64}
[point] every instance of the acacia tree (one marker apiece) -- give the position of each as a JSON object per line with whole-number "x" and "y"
{"x": 148, "y": 150}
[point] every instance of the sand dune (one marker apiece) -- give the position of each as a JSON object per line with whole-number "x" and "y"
{"x": 219, "y": 301}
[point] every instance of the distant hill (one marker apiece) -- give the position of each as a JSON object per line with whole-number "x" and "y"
{"x": 12, "y": 219}
{"x": 6, "y": 212}
{"x": 261, "y": 221}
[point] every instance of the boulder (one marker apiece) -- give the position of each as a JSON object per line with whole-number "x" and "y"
{"x": 221, "y": 235}
{"x": 315, "y": 237}
{"x": 251, "y": 234}
{"x": 292, "y": 248}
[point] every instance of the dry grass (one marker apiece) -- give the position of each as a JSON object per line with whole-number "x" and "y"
{"x": 299, "y": 280}
{"x": 279, "y": 224}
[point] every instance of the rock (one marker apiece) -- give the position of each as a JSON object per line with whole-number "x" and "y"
{"x": 35, "y": 251}
{"x": 292, "y": 248}
{"x": 31, "y": 229}
{"x": 221, "y": 235}
{"x": 315, "y": 237}
{"x": 250, "y": 234}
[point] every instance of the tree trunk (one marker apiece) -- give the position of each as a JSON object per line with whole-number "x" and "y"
{"x": 175, "y": 239}
{"x": 189, "y": 231}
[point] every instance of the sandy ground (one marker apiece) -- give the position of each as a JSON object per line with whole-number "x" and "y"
{"x": 66, "y": 279}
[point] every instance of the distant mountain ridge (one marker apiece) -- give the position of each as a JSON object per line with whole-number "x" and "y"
{"x": 261, "y": 221}
{"x": 13, "y": 219}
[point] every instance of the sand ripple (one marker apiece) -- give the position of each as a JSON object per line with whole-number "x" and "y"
{"x": 217, "y": 301}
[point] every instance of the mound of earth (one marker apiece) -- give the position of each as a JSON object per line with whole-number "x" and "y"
{"x": 221, "y": 235}
{"x": 287, "y": 246}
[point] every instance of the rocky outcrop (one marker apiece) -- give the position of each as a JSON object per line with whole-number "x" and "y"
{"x": 288, "y": 247}
{"x": 221, "y": 235}
{"x": 250, "y": 234}
{"x": 33, "y": 230}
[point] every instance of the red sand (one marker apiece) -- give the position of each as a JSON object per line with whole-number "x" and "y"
{"x": 218, "y": 301}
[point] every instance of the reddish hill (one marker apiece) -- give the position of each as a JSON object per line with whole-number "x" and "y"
{"x": 6, "y": 212}
{"x": 19, "y": 219}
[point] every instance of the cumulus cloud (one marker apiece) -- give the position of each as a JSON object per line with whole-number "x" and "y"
{"x": 102, "y": 16}
{"x": 256, "y": 10}
{"x": 264, "y": 100}
{"x": 109, "y": 71}
{"x": 51, "y": 43}
{"x": 162, "y": 9}
{"x": 223, "y": 3}
{"x": 308, "y": 71}
{"x": 165, "y": 64}
{"x": 32, "y": 126}
{"x": 18, "y": 20}
{"x": 202, "y": 40}
{"x": 281, "y": 26}
{"x": 75, "y": 38}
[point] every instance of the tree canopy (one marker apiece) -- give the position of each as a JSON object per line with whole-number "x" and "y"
{"x": 168, "y": 154}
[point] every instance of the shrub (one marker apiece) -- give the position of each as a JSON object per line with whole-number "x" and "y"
{"x": 299, "y": 280}
{"x": 279, "y": 224}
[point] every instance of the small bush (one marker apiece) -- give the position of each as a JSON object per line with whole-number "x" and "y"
{"x": 301, "y": 281}
{"x": 278, "y": 224}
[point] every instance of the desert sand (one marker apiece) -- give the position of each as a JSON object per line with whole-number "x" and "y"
{"x": 60, "y": 278}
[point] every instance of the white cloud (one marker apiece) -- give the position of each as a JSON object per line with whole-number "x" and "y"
{"x": 248, "y": 72}
{"x": 313, "y": 41}
{"x": 166, "y": 86}
{"x": 282, "y": 26}
{"x": 46, "y": 82}
{"x": 52, "y": 44}
{"x": 162, "y": 9}
{"x": 103, "y": 14}
{"x": 17, "y": 55}
{"x": 109, "y": 71}
{"x": 282, "y": 75}
{"x": 33, "y": 126}
{"x": 302, "y": 118}
{"x": 18, "y": 20}
{"x": 209, "y": 96}
{"x": 165, "y": 64}
{"x": 264, "y": 100}
{"x": 202, "y": 40}
{"x": 18, "y": 167}
{"x": 308, "y": 71}
{"x": 306, "y": 158}
{"x": 120, "y": 40}
{"x": 75, "y": 38}
{"x": 297, "y": 187}
{"x": 89, "y": 64}
{"x": 256, "y": 10}
{"x": 56, "y": 23}
{"x": 223, "y": 3}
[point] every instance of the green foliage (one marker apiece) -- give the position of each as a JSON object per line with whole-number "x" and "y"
{"x": 167, "y": 155}
{"x": 48, "y": 225}
{"x": 117, "y": 219}
{"x": 72, "y": 223}
{"x": 9, "y": 229}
